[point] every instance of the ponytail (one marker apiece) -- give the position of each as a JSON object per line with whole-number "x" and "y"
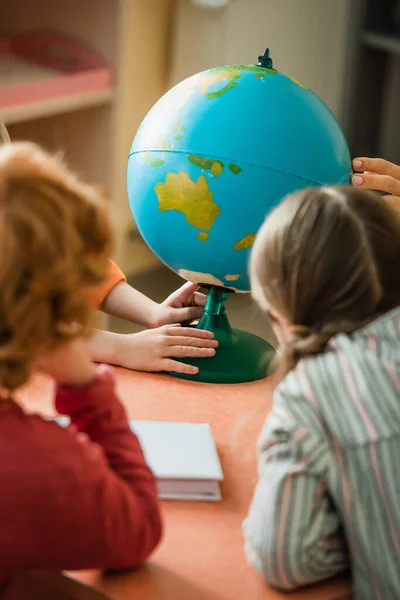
{"x": 309, "y": 343}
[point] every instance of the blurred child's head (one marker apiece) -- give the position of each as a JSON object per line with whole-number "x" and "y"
{"x": 326, "y": 261}
{"x": 55, "y": 241}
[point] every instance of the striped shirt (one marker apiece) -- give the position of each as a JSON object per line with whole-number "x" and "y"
{"x": 328, "y": 495}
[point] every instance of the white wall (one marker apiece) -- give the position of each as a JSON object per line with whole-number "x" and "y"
{"x": 309, "y": 40}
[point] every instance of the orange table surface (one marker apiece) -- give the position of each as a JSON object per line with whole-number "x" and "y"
{"x": 202, "y": 552}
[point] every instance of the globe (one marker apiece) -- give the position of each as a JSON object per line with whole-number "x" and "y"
{"x": 215, "y": 154}
{"x": 211, "y": 159}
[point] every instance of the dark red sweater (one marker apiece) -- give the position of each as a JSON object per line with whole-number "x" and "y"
{"x": 71, "y": 500}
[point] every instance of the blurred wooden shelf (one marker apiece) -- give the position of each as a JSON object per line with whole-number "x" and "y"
{"x": 56, "y": 106}
{"x": 35, "y": 86}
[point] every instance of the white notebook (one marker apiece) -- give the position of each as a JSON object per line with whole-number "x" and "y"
{"x": 183, "y": 458}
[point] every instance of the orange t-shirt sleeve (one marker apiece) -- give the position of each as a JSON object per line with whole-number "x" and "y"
{"x": 100, "y": 293}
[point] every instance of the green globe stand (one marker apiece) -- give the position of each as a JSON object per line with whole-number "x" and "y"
{"x": 240, "y": 357}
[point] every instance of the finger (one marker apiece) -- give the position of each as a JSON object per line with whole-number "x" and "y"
{"x": 382, "y": 183}
{"x": 376, "y": 165}
{"x": 190, "y": 313}
{"x": 173, "y": 366}
{"x": 199, "y": 299}
{"x": 188, "y": 332}
{"x": 393, "y": 201}
{"x": 191, "y": 341}
{"x": 189, "y": 287}
{"x": 186, "y": 292}
{"x": 188, "y": 352}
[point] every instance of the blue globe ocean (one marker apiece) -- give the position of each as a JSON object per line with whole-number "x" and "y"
{"x": 215, "y": 154}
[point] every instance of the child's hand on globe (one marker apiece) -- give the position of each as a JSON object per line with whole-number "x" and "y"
{"x": 183, "y": 306}
{"x": 157, "y": 349}
{"x": 378, "y": 174}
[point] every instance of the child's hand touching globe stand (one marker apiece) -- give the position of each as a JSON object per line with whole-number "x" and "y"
{"x": 240, "y": 356}
{"x": 211, "y": 159}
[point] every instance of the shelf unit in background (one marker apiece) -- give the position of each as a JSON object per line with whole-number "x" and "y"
{"x": 49, "y": 108}
{"x": 94, "y": 128}
{"x": 376, "y": 83}
{"x": 386, "y": 42}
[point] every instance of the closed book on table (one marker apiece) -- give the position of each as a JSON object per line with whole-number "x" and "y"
{"x": 183, "y": 458}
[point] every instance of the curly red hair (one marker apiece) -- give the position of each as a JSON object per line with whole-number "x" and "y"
{"x": 55, "y": 242}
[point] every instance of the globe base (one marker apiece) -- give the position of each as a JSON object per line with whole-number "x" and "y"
{"x": 241, "y": 356}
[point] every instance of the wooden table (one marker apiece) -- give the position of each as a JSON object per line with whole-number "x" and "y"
{"x": 201, "y": 556}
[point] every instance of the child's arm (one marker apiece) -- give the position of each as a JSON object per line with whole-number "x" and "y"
{"x": 293, "y": 535}
{"x": 87, "y": 499}
{"x": 185, "y": 304}
{"x": 158, "y": 348}
{"x": 119, "y": 299}
{"x": 117, "y": 520}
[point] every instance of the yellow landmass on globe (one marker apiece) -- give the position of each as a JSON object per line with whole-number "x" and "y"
{"x": 164, "y": 144}
{"x": 192, "y": 198}
{"x": 203, "y": 236}
{"x": 298, "y": 83}
{"x": 235, "y": 169}
{"x": 227, "y": 76}
{"x": 208, "y": 79}
{"x": 216, "y": 167}
{"x": 246, "y": 242}
{"x": 153, "y": 161}
{"x": 230, "y": 75}
{"x": 232, "y": 277}
{"x": 178, "y": 127}
{"x": 205, "y": 279}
